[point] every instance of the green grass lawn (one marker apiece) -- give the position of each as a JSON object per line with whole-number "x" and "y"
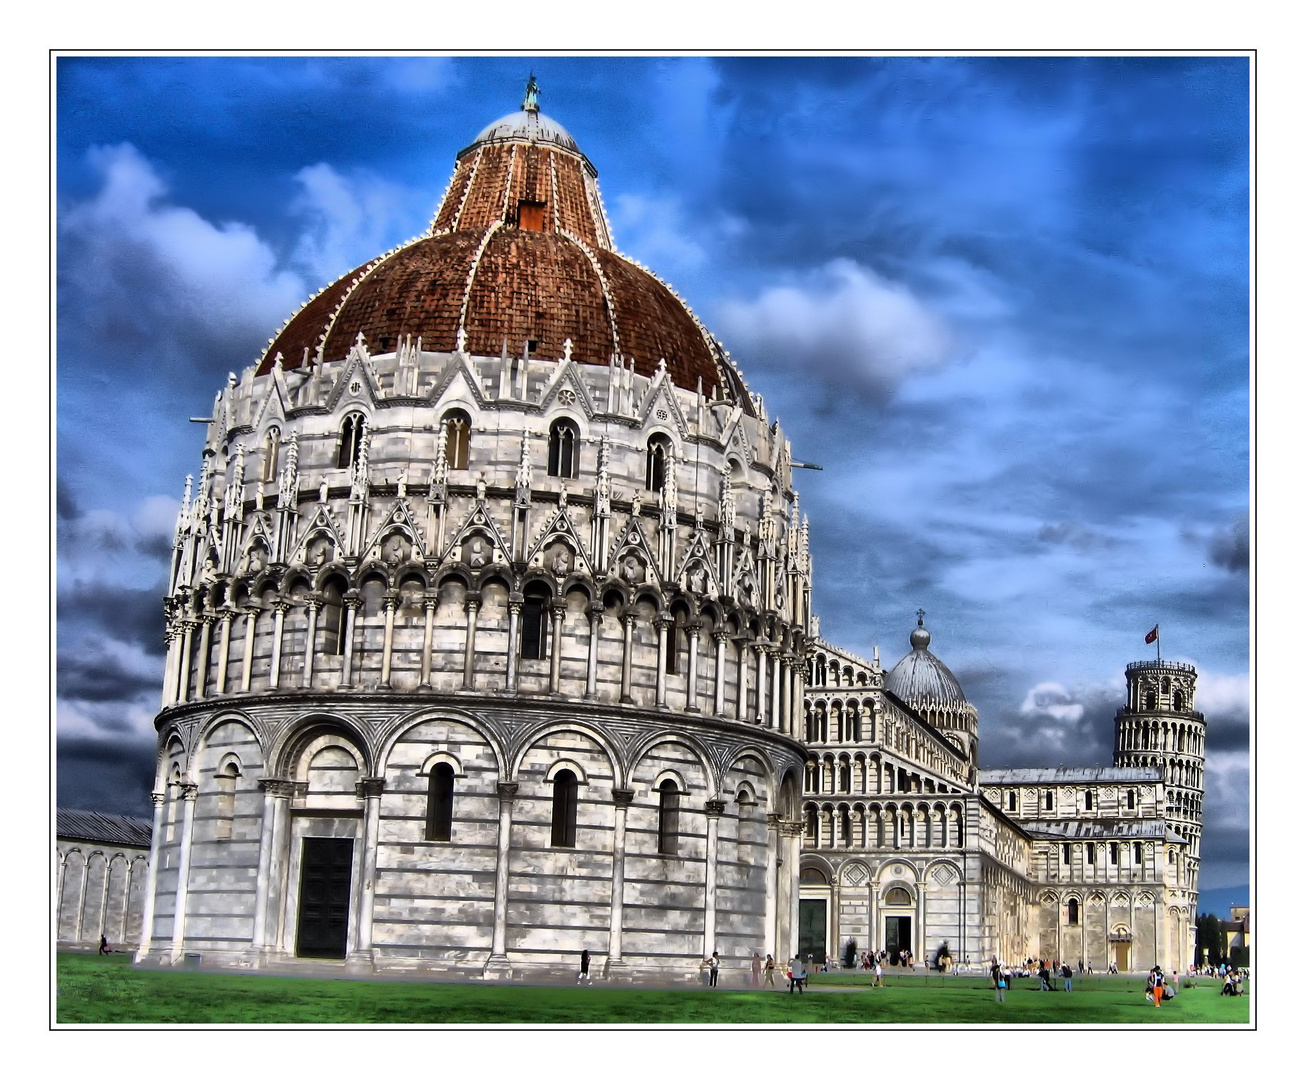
{"x": 108, "y": 990}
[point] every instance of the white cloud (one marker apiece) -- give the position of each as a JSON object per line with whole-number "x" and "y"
{"x": 134, "y": 259}
{"x": 1053, "y": 701}
{"x": 1224, "y": 695}
{"x": 349, "y": 219}
{"x": 845, "y": 322}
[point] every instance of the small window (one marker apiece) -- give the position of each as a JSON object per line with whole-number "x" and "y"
{"x": 1088, "y": 800}
{"x": 1129, "y": 799}
{"x": 564, "y": 809}
{"x": 1092, "y": 854}
{"x": 676, "y": 642}
{"x": 1150, "y": 702}
{"x": 457, "y": 438}
{"x": 1047, "y": 800}
{"x": 530, "y": 215}
{"x": 1072, "y": 912}
{"x": 1065, "y": 854}
{"x": 226, "y": 808}
{"x": 533, "y": 634}
{"x": 564, "y": 447}
{"x": 439, "y": 803}
{"x": 1114, "y": 851}
{"x": 271, "y": 455}
{"x": 1011, "y": 800}
{"x": 351, "y": 441}
{"x": 669, "y": 818}
{"x": 659, "y": 457}
{"x": 1138, "y": 854}
{"x": 331, "y": 620}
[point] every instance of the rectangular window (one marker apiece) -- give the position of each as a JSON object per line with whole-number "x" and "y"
{"x": 1047, "y": 800}
{"x": 1092, "y": 854}
{"x": 1115, "y": 854}
{"x": 1138, "y": 854}
{"x": 534, "y": 632}
{"x": 1065, "y": 854}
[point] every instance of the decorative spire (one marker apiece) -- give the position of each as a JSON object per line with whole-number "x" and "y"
{"x": 183, "y": 515}
{"x": 524, "y": 473}
{"x": 531, "y": 103}
{"x": 236, "y": 492}
{"x": 668, "y": 493}
{"x": 726, "y": 510}
{"x": 358, "y": 479}
{"x": 603, "y": 489}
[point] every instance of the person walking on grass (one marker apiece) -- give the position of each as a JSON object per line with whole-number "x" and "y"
{"x": 757, "y": 971}
{"x": 879, "y": 974}
{"x": 1067, "y": 975}
{"x": 1156, "y": 984}
{"x": 584, "y": 974}
{"x": 797, "y": 976}
{"x": 999, "y": 978}
{"x": 770, "y": 971}
{"x": 714, "y": 967}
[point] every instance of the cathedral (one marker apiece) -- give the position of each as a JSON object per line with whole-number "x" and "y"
{"x": 490, "y": 639}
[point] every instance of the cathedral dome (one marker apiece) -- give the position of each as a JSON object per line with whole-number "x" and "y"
{"x": 920, "y": 676}
{"x": 519, "y": 257}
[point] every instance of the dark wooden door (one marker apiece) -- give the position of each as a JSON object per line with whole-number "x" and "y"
{"x": 897, "y": 933}
{"x": 324, "y": 886}
{"x": 811, "y": 930}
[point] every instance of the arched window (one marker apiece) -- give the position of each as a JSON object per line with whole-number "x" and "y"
{"x": 458, "y": 438}
{"x": 845, "y": 775}
{"x": 1129, "y": 798}
{"x": 668, "y": 817}
{"x": 1150, "y": 701}
{"x": 351, "y": 441}
{"x": 564, "y": 809}
{"x": 533, "y": 634}
{"x": 659, "y": 458}
{"x": 271, "y": 455}
{"x": 564, "y": 449}
{"x": 1179, "y": 701}
{"x": 897, "y": 897}
{"x": 226, "y": 808}
{"x": 1072, "y": 912}
{"x": 331, "y": 619}
{"x": 677, "y": 641}
{"x": 439, "y": 803}
{"x": 1088, "y": 800}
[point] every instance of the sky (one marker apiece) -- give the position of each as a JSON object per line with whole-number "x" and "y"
{"x": 1001, "y": 301}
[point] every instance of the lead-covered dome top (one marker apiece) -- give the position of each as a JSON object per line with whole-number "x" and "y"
{"x": 920, "y": 676}
{"x": 519, "y": 257}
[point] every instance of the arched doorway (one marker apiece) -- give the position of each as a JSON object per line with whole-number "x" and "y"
{"x": 896, "y": 921}
{"x": 813, "y": 914}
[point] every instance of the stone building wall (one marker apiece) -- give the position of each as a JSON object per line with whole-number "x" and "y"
{"x": 99, "y": 889}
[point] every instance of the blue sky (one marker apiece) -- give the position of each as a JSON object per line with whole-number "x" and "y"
{"x": 1002, "y": 301}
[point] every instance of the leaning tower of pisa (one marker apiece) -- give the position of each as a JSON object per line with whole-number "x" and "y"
{"x": 1159, "y": 726}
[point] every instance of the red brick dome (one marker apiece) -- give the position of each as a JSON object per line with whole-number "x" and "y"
{"x": 519, "y": 252}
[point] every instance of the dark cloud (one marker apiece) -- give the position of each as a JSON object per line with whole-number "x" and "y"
{"x": 1036, "y": 738}
{"x": 1231, "y": 547}
{"x": 100, "y": 676}
{"x": 65, "y": 504}
{"x": 113, "y": 777}
{"x": 117, "y": 612}
{"x": 1073, "y": 536}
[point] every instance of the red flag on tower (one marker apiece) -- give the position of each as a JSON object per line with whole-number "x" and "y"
{"x": 1152, "y": 634}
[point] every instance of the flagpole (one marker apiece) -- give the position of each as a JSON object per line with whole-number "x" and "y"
{"x": 1158, "y": 643}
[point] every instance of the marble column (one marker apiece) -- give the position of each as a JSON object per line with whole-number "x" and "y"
{"x": 172, "y": 640}
{"x": 661, "y": 699}
{"x": 774, "y": 724}
{"x": 719, "y": 686}
{"x": 514, "y": 629}
{"x": 428, "y": 635}
{"x": 621, "y": 799}
{"x": 760, "y": 716}
{"x": 472, "y": 605}
{"x": 555, "y": 646}
{"x": 369, "y": 790}
{"x": 247, "y": 661}
{"x": 278, "y": 625}
{"x": 310, "y": 639}
{"x": 713, "y": 809}
{"x": 158, "y": 798}
{"x": 183, "y": 673}
{"x": 691, "y": 682}
{"x": 498, "y": 960}
{"x": 352, "y": 604}
{"x": 741, "y": 699}
{"x": 390, "y": 602}
{"x": 772, "y": 873}
{"x": 276, "y": 798}
{"x": 592, "y": 666}
{"x": 793, "y": 852}
{"x": 202, "y": 657}
{"x": 628, "y": 627}
{"x": 187, "y": 793}
{"x": 224, "y": 651}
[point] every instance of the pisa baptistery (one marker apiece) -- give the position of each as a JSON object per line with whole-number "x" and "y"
{"x": 486, "y": 617}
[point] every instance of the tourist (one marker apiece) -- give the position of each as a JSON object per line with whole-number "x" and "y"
{"x": 1066, "y": 976}
{"x": 879, "y": 975}
{"x": 584, "y": 974}
{"x": 756, "y": 979}
{"x": 104, "y": 945}
{"x": 1156, "y": 984}
{"x": 1044, "y": 976}
{"x": 714, "y": 966}
{"x": 999, "y": 978}
{"x": 770, "y": 971}
{"x": 797, "y": 975}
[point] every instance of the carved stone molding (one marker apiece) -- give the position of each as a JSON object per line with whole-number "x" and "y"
{"x": 370, "y": 787}
{"x": 278, "y": 787}
{"x": 623, "y": 796}
{"x": 714, "y": 808}
{"x": 507, "y": 792}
